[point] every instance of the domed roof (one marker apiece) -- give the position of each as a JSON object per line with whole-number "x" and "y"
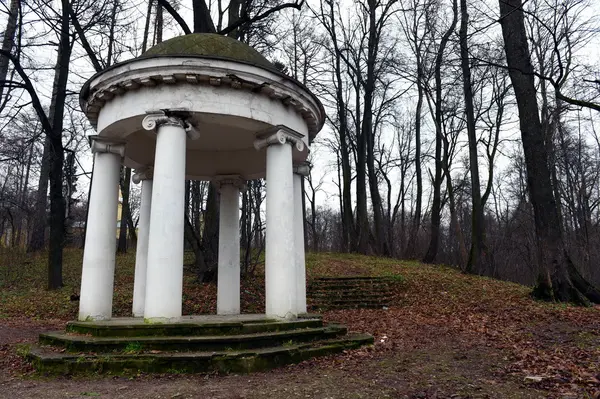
{"x": 209, "y": 45}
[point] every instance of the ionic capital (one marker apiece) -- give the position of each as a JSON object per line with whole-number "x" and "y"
{"x": 171, "y": 117}
{"x": 101, "y": 145}
{"x": 142, "y": 174}
{"x": 279, "y": 135}
{"x": 232, "y": 180}
{"x": 302, "y": 169}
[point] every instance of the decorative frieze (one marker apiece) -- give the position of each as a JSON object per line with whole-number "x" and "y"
{"x": 101, "y": 96}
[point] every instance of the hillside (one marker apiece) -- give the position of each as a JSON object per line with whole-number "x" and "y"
{"x": 445, "y": 334}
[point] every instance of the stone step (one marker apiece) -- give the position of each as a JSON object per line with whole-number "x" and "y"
{"x": 352, "y": 282}
{"x": 50, "y": 362}
{"x": 348, "y": 288}
{"x": 356, "y": 278}
{"x": 85, "y": 343}
{"x": 191, "y": 326}
{"x": 376, "y": 305}
{"x": 330, "y": 296}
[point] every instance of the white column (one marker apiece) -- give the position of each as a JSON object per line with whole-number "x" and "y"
{"x": 164, "y": 275}
{"x": 228, "y": 288}
{"x": 141, "y": 253}
{"x": 280, "y": 268}
{"x": 299, "y": 172}
{"x": 97, "y": 275}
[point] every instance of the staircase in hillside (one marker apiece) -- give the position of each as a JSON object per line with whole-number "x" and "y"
{"x": 350, "y": 292}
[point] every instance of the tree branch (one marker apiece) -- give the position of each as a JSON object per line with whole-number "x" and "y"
{"x": 246, "y": 20}
{"x": 27, "y": 85}
{"x": 165, "y": 4}
{"x": 84, "y": 42}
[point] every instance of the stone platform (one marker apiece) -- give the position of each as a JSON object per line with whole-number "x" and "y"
{"x": 240, "y": 344}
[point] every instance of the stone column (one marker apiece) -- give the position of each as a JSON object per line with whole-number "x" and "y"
{"x": 164, "y": 275}
{"x": 280, "y": 270}
{"x": 300, "y": 171}
{"x": 228, "y": 289}
{"x": 97, "y": 275}
{"x": 141, "y": 253}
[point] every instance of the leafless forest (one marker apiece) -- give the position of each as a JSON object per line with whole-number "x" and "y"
{"x": 458, "y": 132}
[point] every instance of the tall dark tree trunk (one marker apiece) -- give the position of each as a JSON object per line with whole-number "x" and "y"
{"x": 8, "y": 41}
{"x": 436, "y": 205}
{"x": 210, "y": 235}
{"x": 57, "y": 201}
{"x": 368, "y": 132}
{"x": 203, "y": 23}
{"x": 147, "y": 26}
{"x": 477, "y": 255}
{"x": 558, "y": 277}
{"x": 125, "y": 182}
{"x": 416, "y": 222}
{"x": 159, "y": 25}
{"x": 37, "y": 240}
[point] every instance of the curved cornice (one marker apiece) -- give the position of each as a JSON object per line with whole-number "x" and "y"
{"x": 131, "y": 75}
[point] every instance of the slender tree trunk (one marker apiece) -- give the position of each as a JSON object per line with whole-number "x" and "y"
{"x": 210, "y": 235}
{"x": 40, "y": 218}
{"x": 125, "y": 183}
{"x": 436, "y": 206}
{"x": 416, "y": 222}
{"x": 558, "y": 277}
{"x": 476, "y": 262}
{"x": 203, "y": 23}
{"x": 57, "y": 201}
{"x": 159, "y": 24}
{"x": 147, "y": 26}
{"x": 8, "y": 40}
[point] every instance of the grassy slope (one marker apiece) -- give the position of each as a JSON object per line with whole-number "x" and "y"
{"x": 445, "y": 330}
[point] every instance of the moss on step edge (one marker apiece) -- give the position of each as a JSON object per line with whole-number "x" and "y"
{"x": 238, "y": 362}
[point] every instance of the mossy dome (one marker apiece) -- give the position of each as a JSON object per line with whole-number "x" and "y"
{"x": 209, "y": 45}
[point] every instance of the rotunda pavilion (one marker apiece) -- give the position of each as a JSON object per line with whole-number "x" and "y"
{"x": 196, "y": 107}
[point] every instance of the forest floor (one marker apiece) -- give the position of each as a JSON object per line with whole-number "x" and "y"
{"x": 447, "y": 335}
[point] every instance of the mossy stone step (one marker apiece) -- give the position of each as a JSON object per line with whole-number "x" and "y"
{"x": 350, "y": 293}
{"x": 85, "y": 343}
{"x": 355, "y": 278}
{"x": 191, "y": 326}
{"x": 364, "y": 305}
{"x": 347, "y": 286}
{"x": 190, "y": 362}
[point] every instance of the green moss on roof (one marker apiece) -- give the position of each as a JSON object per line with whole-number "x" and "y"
{"x": 209, "y": 45}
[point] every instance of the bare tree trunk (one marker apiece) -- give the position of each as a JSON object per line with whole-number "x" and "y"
{"x": 477, "y": 255}
{"x": 8, "y": 41}
{"x": 24, "y": 220}
{"x": 210, "y": 235}
{"x": 436, "y": 206}
{"x": 368, "y": 132}
{"x": 57, "y": 201}
{"x": 125, "y": 182}
{"x": 558, "y": 277}
{"x": 40, "y": 219}
{"x": 147, "y": 26}
{"x": 159, "y": 24}
{"x": 416, "y": 222}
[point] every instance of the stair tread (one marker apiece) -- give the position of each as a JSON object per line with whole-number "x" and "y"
{"x": 195, "y": 338}
{"x": 350, "y": 337}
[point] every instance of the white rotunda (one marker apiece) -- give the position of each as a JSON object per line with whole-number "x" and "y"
{"x": 200, "y": 107}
